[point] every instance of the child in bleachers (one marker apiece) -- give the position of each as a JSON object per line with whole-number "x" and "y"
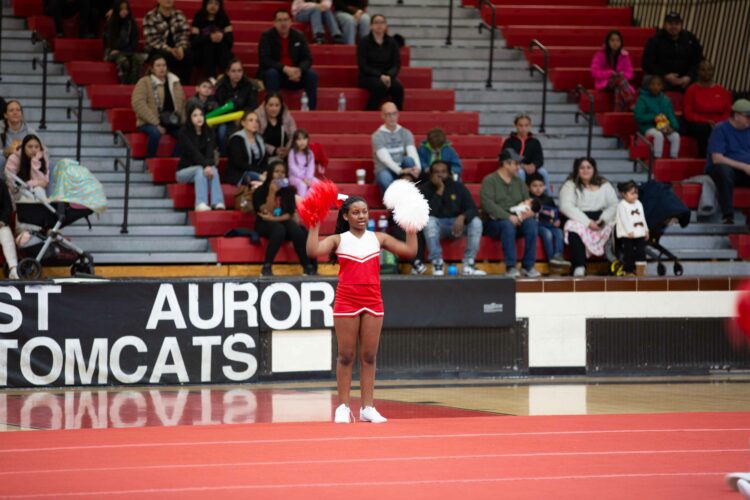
{"x": 631, "y": 228}
{"x": 301, "y": 162}
{"x": 121, "y": 44}
{"x": 204, "y": 97}
{"x": 656, "y": 119}
{"x": 437, "y": 147}
{"x": 550, "y": 230}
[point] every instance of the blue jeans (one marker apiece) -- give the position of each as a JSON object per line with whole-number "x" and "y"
{"x": 506, "y": 232}
{"x": 385, "y": 177}
{"x": 274, "y": 80}
{"x": 248, "y": 177}
{"x": 726, "y": 178}
{"x": 552, "y": 239}
{"x": 316, "y": 18}
{"x": 438, "y": 229}
{"x": 350, "y": 27}
{"x": 154, "y": 136}
{"x": 195, "y": 175}
{"x": 541, "y": 171}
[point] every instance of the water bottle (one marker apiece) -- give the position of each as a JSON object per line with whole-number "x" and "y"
{"x": 342, "y": 102}
{"x": 370, "y": 225}
{"x": 382, "y": 224}
{"x": 304, "y": 102}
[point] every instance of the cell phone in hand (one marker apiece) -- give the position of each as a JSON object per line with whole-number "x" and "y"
{"x": 282, "y": 183}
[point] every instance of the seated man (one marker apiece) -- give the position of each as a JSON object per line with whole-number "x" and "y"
{"x": 728, "y": 159}
{"x": 452, "y": 214}
{"x": 285, "y": 59}
{"x": 166, "y": 30}
{"x": 393, "y": 149}
{"x": 379, "y": 61}
{"x": 673, "y": 53}
{"x": 506, "y": 202}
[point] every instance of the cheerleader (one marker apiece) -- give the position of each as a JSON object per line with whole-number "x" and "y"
{"x": 358, "y": 308}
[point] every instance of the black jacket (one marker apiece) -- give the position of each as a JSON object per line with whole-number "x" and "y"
{"x": 196, "y": 149}
{"x": 350, "y": 6}
{"x": 663, "y": 55}
{"x": 455, "y": 200}
{"x": 375, "y": 60}
{"x": 6, "y": 203}
{"x": 124, "y": 39}
{"x": 205, "y": 26}
{"x": 244, "y": 95}
{"x": 532, "y": 150}
{"x": 240, "y": 162}
{"x": 269, "y": 51}
{"x": 287, "y": 202}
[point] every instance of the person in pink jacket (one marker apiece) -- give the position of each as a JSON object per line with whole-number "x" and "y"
{"x": 612, "y": 70}
{"x": 31, "y": 164}
{"x": 301, "y": 162}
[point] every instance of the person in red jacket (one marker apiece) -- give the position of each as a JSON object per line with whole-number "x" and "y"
{"x": 706, "y": 103}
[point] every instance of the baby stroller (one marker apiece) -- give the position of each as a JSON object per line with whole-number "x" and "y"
{"x": 77, "y": 195}
{"x": 662, "y": 208}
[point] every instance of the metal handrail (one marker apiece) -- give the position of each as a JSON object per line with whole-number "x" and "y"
{"x": 544, "y": 72}
{"x": 36, "y": 38}
{"x": 119, "y": 136}
{"x": 651, "y": 158}
{"x": 492, "y": 28}
{"x": 448, "y": 39}
{"x": 1, "y": 41}
{"x": 580, "y": 89}
{"x": 79, "y": 115}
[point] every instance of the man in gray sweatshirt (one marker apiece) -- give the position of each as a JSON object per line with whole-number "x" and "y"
{"x": 393, "y": 150}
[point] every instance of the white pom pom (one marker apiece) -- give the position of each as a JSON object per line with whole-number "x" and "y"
{"x": 410, "y": 209}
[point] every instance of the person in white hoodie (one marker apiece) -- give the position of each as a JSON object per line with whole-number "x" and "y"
{"x": 393, "y": 149}
{"x": 631, "y": 228}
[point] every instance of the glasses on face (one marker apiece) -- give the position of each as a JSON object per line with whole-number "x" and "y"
{"x": 392, "y": 113}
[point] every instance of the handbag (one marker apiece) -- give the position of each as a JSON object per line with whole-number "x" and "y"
{"x": 243, "y": 199}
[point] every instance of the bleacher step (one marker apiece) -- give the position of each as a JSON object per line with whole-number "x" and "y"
{"x": 705, "y": 268}
{"x": 113, "y": 230}
{"x": 154, "y": 257}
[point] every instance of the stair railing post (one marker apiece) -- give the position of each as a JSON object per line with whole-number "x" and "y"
{"x": 448, "y": 39}
{"x": 35, "y": 37}
{"x": 79, "y": 116}
{"x": 581, "y": 90}
{"x": 544, "y": 72}
{"x": 492, "y": 28}
{"x": 119, "y": 136}
{"x": 1, "y": 40}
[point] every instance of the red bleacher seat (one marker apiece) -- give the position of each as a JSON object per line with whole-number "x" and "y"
{"x": 77, "y": 49}
{"x": 741, "y": 198}
{"x": 688, "y": 148}
{"x": 90, "y": 72}
{"x": 741, "y": 243}
{"x": 563, "y": 15}
{"x": 574, "y": 57}
{"x": 689, "y": 193}
{"x": 592, "y": 3}
{"x": 563, "y": 78}
{"x": 163, "y": 169}
{"x": 520, "y": 36}
{"x": 323, "y": 55}
{"x": 183, "y": 195}
{"x": 617, "y": 124}
{"x": 347, "y": 76}
{"x": 218, "y": 222}
{"x": 365, "y": 122}
{"x": 676, "y": 170}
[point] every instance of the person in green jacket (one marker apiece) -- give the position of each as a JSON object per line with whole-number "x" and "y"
{"x": 656, "y": 119}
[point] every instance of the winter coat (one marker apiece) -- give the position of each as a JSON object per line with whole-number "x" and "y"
{"x": 648, "y": 106}
{"x": 144, "y": 102}
{"x": 602, "y": 71}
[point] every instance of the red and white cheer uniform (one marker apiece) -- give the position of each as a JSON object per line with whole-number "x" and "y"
{"x": 358, "y": 290}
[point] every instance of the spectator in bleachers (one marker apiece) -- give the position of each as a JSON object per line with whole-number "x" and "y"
{"x": 317, "y": 13}
{"x": 234, "y": 86}
{"x": 437, "y": 147}
{"x": 285, "y": 60}
{"x": 352, "y": 18}
{"x": 523, "y": 142}
{"x": 30, "y": 162}
{"x": 379, "y": 61}
{"x": 165, "y": 29}
{"x": 276, "y": 125}
{"x": 7, "y": 241}
{"x": 548, "y": 216}
{"x": 589, "y": 202}
{"x": 301, "y": 161}
{"x": 204, "y": 97}
{"x": 212, "y": 38}
{"x": 453, "y": 214}
{"x": 275, "y": 207}
{"x": 198, "y": 161}
{"x": 393, "y": 149}
{"x": 90, "y": 13}
{"x": 501, "y": 194}
{"x": 612, "y": 70}
{"x": 247, "y": 152}
{"x": 121, "y": 44}
{"x": 656, "y": 119}
{"x": 706, "y": 103}
{"x": 159, "y": 103}
{"x": 728, "y": 159}
{"x": 632, "y": 229}
{"x": 673, "y": 53}
{"x": 14, "y": 129}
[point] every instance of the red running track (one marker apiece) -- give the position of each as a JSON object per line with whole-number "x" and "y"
{"x": 602, "y": 456}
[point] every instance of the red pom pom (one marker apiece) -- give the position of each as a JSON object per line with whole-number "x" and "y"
{"x": 314, "y": 207}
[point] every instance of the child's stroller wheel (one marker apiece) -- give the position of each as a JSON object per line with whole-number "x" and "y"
{"x": 661, "y": 269}
{"x": 29, "y": 269}
{"x": 84, "y": 264}
{"x": 677, "y": 269}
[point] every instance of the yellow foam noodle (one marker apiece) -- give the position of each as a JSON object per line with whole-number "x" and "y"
{"x": 229, "y": 117}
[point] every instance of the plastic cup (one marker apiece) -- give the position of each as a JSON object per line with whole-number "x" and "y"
{"x": 361, "y": 175}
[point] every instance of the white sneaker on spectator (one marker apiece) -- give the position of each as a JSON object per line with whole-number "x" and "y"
{"x": 743, "y": 486}
{"x": 470, "y": 270}
{"x": 733, "y": 478}
{"x": 219, "y": 206}
{"x": 438, "y": 268}
{"x": 343, "y": 415}
{"x": 370, "y": 414}
{"x": 559, "y": 260}
{"x": 579, "y": 271}
{"x": 530, "y": 273}
{"x": 512, "y": 273}
{"x": 418, "y": 267}
{"x": 202, "y": 207}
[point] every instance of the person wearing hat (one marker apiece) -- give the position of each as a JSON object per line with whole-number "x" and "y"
{"x": 673, "y": 53}
{"x": 728, "y": 158}
{"x": 501, "y": 194}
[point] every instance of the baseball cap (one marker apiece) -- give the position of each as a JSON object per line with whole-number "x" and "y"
{"x": 509, "y": 154}
{"x": 673, "y": 17}
{"x": 741, "y": 106}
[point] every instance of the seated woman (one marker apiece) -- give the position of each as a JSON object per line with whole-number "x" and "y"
{"x": 236, "y": 87}
{"x": 29, "y": 163}
{"x": 159, "y": 103}
{"x": 198, "y": 162}
{"x": 523, "y": 142}
{"x": 589, "y": 202}
{"x": 275, "y": 206}
{"x": 212, "y": 38}
{"x": 379, "y": 62}
{"x": 612, "y": 70}
{"x": 7, "y": 241}
{"x": 14, "y": 129}
{"x": 247, "y": 153}
{"x": 276, "y": 125}
{"x": 121, "y": 44}
{"x": 706, "y": 103}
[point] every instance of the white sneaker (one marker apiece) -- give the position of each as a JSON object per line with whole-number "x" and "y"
{"x": 370, "y": 414}
{"x": 13, "y": 274}
{"x": 343, "y": 415}
{"x": 531, "y": 273}
{"x": 438, "y": 268}
{"x": 579, "y": 271}
{"x": 733, "y": 478}
{"x": 219, "y": 206}
{"x": 470, "y": 270}
{"x": 202, "y": 207}
{"x": 744, "y": 488}
{"x": 512, "y": 273}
